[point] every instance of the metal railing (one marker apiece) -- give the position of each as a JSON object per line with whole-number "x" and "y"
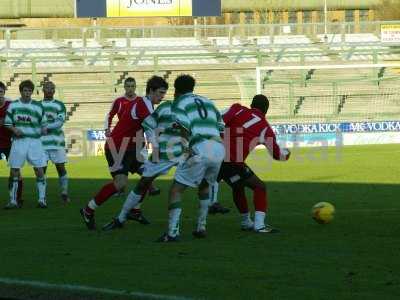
{"x": 191, "y": 31}
{"x": 117, "y": 62}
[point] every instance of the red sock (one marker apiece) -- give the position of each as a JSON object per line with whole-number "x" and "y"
{"x": 106, "y": 192}
{"x": 239, "y": 197}
{"x": 260, "y": 199}
{"x": 19, "y": 191}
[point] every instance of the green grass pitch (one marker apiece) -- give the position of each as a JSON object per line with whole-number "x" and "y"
{"x": 354, "y": 257}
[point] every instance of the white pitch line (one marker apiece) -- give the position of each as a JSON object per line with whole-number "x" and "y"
{"x": 83, "y": 288}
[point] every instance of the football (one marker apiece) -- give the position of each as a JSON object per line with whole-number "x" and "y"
{"x": 323, "y": 212}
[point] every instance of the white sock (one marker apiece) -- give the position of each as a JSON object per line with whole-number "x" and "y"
{"x": 174, "y": 215}
{"x": 246, "y": 220}
{"x": 41, "y": 187}
{"x": 259, "y": 220}
{"x": 14, "y": 191}
{"x": 213, "y": 192}
{"x": 131, "y": 201}
{"x": 63, "y": 180}
{"x": 203, "y": 212}
{"x": 92, "y": 204}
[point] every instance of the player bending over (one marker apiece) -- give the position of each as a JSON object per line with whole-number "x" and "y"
{"x": 54, "y": 141}
{"x": 117, "y": 108}
{"x": 27, "y": 121}
{"x": 199, "y": 121}
{"x": 167, "y": 153}
{"x": 245, "y": 128}
{"x": 123, "y": 147}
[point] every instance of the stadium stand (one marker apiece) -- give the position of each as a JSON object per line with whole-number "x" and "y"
{"x": 90, "y": 67}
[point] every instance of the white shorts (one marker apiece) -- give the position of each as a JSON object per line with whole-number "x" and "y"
{"x": 27, "y": 149}
{"x": 205, "y": 164}
{"x": 57, "y": 156}
{"x": 155, "y": 169}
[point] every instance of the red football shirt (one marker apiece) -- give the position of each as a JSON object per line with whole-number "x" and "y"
{"x": 245, "y": 128}
{"x": 130, "y": 123}
{"x": 116, "y": 109}
{"x": 5, "y": 134}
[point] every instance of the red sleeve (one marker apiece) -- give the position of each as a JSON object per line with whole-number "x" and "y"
{"x": 268, "y": 138}
{"x": 232, "y": 111}
{"x": 143, "y": 110}
{"x": 115, "y": 106}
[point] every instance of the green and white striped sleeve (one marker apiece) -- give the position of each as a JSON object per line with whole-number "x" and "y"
{"x": 149, "y": 125}
{"x": 62, "y": 113}
{"x": 220, "y": 121}
{"x": 60, "y": 118}
{"x": 9, "y": 119}
{"x": 43, "y": 119}
{"x": 180, "y": 115}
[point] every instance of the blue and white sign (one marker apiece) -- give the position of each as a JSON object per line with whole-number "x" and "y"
{"x": 383, "y": 126}
{"x": 320, "y": 134}
{"x": 96, "y": 135}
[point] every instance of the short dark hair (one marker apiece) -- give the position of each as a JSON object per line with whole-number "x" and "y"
{"x": 184, "y": 84}
{"x": 2, "y": 86}
{"x": 48, "y": 82}
{"x": 129, "y": 79}
{"x": 260, "y": 102}
{"x": 26, "y": 83}
{"x": 156, "y": 82}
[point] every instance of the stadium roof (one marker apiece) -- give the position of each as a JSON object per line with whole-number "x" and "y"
{"x": 65, "y": 8}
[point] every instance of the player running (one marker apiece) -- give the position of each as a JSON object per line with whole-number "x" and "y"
{"x": 123, "y": 147}
{"x": 5, "y": 139}
{"x": 245, "y": 128}
{"x": 199, "y": 121}
{"x": 117, "y": 108}
{"x": 27, "y": 121}
{"x": 54, "y": 141}
{"x": 168, "y": 151}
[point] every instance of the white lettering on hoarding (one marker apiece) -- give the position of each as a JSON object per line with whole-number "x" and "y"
{"x": 148, "y": 2}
